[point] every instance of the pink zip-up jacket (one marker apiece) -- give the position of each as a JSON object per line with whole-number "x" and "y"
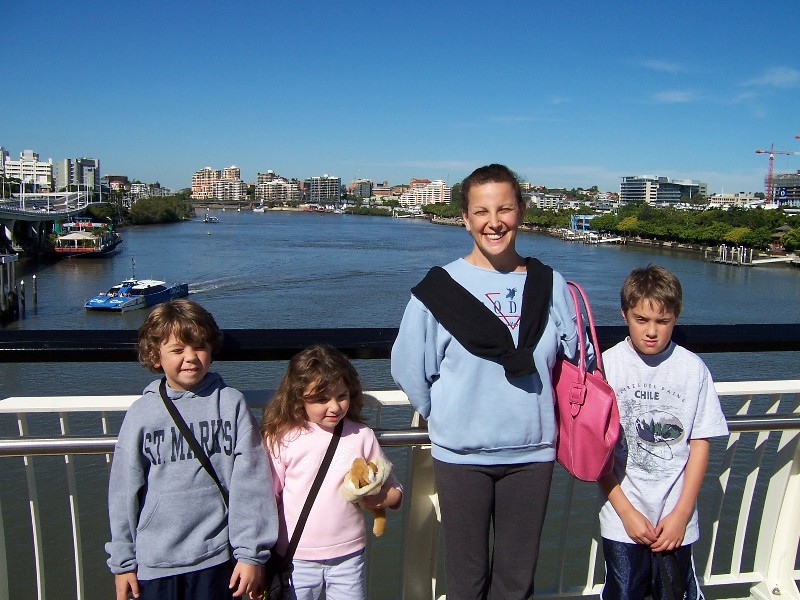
{"x": 335, "y": 527}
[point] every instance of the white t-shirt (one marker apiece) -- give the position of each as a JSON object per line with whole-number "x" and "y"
{"x": 664, "y": 401}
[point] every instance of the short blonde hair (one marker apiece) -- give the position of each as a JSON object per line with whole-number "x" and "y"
{"x": 186, "y": 320}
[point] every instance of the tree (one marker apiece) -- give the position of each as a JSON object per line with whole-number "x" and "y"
{"x": 791, "y": 239}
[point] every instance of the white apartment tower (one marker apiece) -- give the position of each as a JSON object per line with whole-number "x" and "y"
{"x": 30, "y": 170}
{"x": 422, "y": 193}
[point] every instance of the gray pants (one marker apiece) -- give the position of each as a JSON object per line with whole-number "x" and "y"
{"x": 509, "y": 500}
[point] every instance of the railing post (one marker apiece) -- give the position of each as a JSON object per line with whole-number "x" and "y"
{"x": 777, "y": 546}
{"x": 422, "y": 527}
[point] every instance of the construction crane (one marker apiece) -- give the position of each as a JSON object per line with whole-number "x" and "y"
{"x": 772, "y": 152}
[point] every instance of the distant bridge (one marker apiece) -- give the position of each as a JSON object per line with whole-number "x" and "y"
{"x": 26, "y": 220}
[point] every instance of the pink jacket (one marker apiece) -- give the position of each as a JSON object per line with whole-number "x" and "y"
{"x": 335, "y": 527}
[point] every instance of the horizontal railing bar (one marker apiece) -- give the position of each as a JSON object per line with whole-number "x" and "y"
{"x": 743, "y": 423}
{"x": 386, "y": 437}
{"x": 105, "y": 444}
{"x": 119, "y": 345}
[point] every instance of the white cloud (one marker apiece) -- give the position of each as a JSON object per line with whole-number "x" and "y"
{"x": 676, "y": 96}
{"x": 777, "y": 77}
{"x": 662, "y": 66}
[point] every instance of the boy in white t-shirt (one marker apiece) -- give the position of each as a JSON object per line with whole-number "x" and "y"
{"x": 668, "y": 408}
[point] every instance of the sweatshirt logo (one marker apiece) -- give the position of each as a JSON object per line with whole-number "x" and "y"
{"x": 507, "y": 308}
{"x": 161, "y": 446}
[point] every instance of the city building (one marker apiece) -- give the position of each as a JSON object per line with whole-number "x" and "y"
{"x": 544, "y": 201}
{"x": 423, "y": 191}
{"x": 3, "y": 157}
{"x": 79, "y": 172}
{"x": 652, "y": 189}
{"x": 324, "y": 190}
{"x": 361, "y": 188}
{"x": 225, "y": 184}
{"x": 138, "y": 190}
{"x": 118, "y": 183}
{"x": 229, "y": 190}
{"x": 30, "y": 170}
{"x": 274, "y": 188}
{"x": 739, "y": 199}
{"x": 786, "y": 189}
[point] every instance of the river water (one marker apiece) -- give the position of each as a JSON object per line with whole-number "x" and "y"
{"x": 309, "y": 270}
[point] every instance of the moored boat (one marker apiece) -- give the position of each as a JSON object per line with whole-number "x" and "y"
{"x": 83, "y": 237}
{"x": 133, "y": 294}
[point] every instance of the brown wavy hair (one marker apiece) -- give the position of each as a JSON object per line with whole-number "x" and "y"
{"x": 188, "y": 321}
{"x": 319, "y": 368}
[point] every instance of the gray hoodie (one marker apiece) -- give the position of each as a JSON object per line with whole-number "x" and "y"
{"x": 167, "y": 515}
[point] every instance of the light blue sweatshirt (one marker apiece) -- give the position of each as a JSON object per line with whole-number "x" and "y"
{"x": 167, "y": 515}
{"x": 475, "y": 414}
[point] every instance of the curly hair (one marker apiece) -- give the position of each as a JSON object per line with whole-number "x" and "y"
{"x": 318, "y": 368}
{"x": 186, "y": 320}
{"x": 653, "y": 283}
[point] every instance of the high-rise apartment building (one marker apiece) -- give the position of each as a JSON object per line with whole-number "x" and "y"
{"x": 203, "y": 182}
{"x": 78, "y": 171}
{"x": 30, "y": 170}
{"x": 422, "y": 192}
{"x": 274, "y": 188}
{"x": 232, "y": 173}
{"x": 325, "y": 189}
{"x": 225, "y": 184}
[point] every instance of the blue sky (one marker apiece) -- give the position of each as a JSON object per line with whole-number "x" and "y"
{"x": 567, "y": 93}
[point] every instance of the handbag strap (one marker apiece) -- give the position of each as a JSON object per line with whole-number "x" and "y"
{"x": 576, "y": 290}
{"x": 312, "y": 493}
{"x": 190, "y": 439}
{"x": 672, "y": 589}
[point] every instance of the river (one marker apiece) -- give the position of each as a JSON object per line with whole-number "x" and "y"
{"x": 309, "y": 270}
{"x": 298, "y": 270}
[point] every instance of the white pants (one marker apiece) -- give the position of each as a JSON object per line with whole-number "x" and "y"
{"x": 343, "y": 578}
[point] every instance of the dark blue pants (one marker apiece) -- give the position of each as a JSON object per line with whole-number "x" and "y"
{"x": 633, "y": 572}
{"x": 207, "y": 584}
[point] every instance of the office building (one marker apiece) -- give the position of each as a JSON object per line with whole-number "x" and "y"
{"x": 82, "y": 172}
{"x": 651, "y": 189}
{"x": 30, "y": 170}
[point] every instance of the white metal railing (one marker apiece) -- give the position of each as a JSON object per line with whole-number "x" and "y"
{"x": 750, "y": 503}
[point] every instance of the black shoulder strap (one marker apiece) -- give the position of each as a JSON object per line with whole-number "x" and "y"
{"x": 478, "y": 329}
{"x": 312, "y": 493}
{"x": 190, "y": 439}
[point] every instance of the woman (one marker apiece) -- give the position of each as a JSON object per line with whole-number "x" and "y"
{"x": 475, "y": 351}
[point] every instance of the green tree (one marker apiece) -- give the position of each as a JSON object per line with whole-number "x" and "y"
{"x": 791, "y": 239}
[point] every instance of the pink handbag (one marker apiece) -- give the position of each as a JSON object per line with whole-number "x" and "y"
{"x": 586, "y": 408}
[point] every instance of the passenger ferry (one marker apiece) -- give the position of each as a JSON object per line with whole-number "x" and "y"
{"x": 137, "y": 293}
{"x": 84, "y": 237}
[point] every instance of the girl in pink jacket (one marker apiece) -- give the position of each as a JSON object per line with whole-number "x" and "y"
{"x": 321, "y": 388}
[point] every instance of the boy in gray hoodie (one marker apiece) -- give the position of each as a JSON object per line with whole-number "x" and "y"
{"x": 173, "y": 535}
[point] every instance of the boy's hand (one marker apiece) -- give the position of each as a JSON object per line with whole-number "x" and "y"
{"x": 638, "y": 527}
{"x": 670, "y": 531}
{"x": 125, "y": 583}
{"x": 247, "y": 579}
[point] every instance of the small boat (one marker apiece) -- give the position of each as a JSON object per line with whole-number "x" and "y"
{"x": 82, "y": 237}
{"x": 134, "y": 293}
{"x": 210, "y": 219}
